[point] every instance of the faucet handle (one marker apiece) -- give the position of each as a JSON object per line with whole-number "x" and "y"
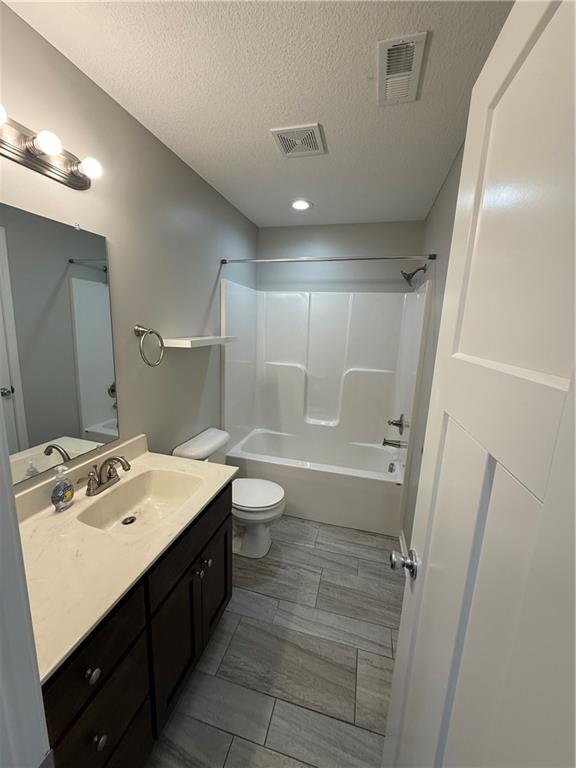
{"x": 111, "y": 471}
{"x": 93, "y": 481}
{"x": 401, "y": 423}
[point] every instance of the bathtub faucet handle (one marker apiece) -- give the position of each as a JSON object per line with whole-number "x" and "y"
{"x": 401, "y": 423}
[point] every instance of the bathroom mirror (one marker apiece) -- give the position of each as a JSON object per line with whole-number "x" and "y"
{"x": 57, "y": 381}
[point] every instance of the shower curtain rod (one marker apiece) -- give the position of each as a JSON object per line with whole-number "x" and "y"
{"x": 430, "y": 257}
{"x": 90, "y": 263}
{"x": 82, "y": 261}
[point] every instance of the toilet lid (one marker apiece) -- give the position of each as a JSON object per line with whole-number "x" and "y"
{"x": 254, "y": 494}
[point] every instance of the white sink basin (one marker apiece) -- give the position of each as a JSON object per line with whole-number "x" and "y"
{"x": 141, "y": 501}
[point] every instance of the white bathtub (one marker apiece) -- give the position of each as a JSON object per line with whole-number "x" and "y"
{"x": 105, "y": 431}
{"x": 357, "y": 485}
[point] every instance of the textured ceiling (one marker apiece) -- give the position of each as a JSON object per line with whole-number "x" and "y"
{"x": 210, "y": 79}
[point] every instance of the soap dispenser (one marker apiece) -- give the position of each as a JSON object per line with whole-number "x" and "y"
{"x": 63, "y": 491}
{"x": 31, "y": 470}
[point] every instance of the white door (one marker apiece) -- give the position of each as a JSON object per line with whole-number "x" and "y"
{"x": 23, "y": 736}
{"x": 11, "y": 395}
{"x": 7, "y": 393}
{"x": 485, "y": 665}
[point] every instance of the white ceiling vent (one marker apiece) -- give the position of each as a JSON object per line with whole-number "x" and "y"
{"x": 299, "y": 140}
{"x": 399, "y": 66}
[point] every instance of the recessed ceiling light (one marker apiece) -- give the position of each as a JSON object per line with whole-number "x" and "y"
{"x": 301, "y": 205}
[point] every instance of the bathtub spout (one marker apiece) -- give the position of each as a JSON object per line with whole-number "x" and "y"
{"x": 395, "y": 443}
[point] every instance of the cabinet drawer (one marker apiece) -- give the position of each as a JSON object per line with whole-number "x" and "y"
{"x": 72, "y": 687}
{"x": 91, "y": 740}
{"x": 172, "y": 566}
{"x": 137, "y": 742}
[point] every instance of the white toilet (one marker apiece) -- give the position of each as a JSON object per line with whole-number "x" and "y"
{"x": 255, "y": 503}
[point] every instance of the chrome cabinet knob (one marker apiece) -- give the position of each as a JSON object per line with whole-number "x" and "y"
{"x": 208, "y": 563}
{"x": 200, "y": 574}
{"x": 410, "y": 563}
{"x": 6, "y": 391}
{"x": 93, "y": 675}
{"x": 100, "y": 742}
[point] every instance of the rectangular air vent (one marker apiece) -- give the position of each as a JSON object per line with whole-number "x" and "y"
{"x": 399, "y": 66}
{"x": 299, "y": 140}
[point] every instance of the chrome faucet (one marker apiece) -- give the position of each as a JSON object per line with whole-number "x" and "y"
{"x": 107, "y": 475}
{"x": 395, "y": 443}
{"x": 49, "y": 450}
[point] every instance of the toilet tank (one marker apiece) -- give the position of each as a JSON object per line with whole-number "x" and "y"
{"x": 207, "y": 446}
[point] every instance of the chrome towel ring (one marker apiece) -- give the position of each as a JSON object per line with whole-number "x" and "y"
{"x": 143, "y": 333}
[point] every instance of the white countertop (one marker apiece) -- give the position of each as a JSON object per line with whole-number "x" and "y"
{"x": 76, "y": 573}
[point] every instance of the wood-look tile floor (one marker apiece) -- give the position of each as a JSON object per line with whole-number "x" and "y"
{"x": 298, "y": 672}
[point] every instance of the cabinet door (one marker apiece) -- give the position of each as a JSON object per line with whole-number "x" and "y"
{"x": 217, "y": 581}
{"x": 176, "y": 631}
{"x": 137, "y": 742}
{"x": 187, "y": 548}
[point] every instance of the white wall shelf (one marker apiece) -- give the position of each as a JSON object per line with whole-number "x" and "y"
{"x": 190, "y": 342}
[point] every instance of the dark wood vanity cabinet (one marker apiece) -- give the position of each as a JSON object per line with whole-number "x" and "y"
{"x": 183, "y": 623}
{"x": 176, "y": 639}
{"x": 113, "y": 695}
{"x": 216, "y": 564}
{"x": 99, "y": 729}
{"x": 88, "y": 670}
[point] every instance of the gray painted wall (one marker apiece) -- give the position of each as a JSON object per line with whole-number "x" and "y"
{"x": 437, "y": 239}
{"x": 404, "y": 238}
{"x": 166, "y": 230}
{"x": 38, "y": 253}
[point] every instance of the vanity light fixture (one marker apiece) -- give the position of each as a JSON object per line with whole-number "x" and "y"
{"x": 43, "y": 152}
{"x": 89, "y": 167}
{"x": 301, "y": 205}
{"x": 45, "y": 143}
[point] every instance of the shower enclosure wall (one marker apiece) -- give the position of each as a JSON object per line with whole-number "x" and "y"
{"x": 309, "y": 387}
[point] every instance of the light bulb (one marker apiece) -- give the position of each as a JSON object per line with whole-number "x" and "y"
{"x": 3, "y": 114}
{"x": 90, "y": 167}
{"x": 47, "y": 143}
{"x": 301, "y": 205}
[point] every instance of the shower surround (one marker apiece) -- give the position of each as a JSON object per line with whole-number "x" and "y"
{"x": 308, "y": 389}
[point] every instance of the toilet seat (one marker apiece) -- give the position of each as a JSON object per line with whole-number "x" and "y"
{"x": 267, "y": 515}
{"x": 259, "y": 497}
